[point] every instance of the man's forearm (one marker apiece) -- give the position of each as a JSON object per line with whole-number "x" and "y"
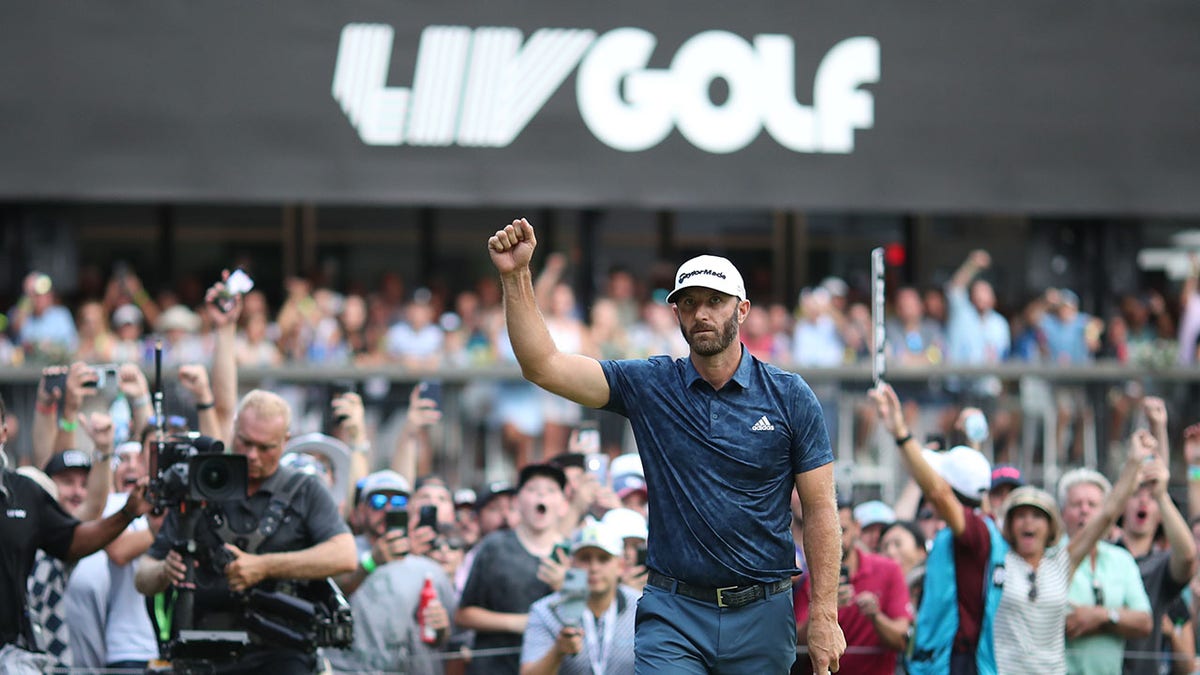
{"x": 99, "y": 484}
{"x": 128, "y": 546}
{"x": 45, "y": 432}
{"x": 547, "y": 665}
{"x": 224, "y": 379}
{"x": 327, "y": 559}
{"x": 480, "y": 619}
{"x": 893, "y": 633}
{"x": 150, "y": 577}
{"x": 93, "y": 535}
{"x": 531, "y": 340}
{"x": 1132, "y": 624}
{"x": 1179, "y": 537}
{"x": 822, "y": 546}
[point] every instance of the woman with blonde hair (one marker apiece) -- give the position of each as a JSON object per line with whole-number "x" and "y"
{"x": 1030, "y": 622}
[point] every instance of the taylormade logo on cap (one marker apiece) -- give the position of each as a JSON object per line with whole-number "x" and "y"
{"x": 709, "y": 271}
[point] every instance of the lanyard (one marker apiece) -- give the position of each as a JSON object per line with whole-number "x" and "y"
{"x": 597, "y": 649}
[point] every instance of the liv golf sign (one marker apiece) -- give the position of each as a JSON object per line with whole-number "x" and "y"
{"x": 481, "y": 87}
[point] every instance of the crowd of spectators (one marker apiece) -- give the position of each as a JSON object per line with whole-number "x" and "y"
{"x": 498, "y": 556}
{"x": 829, "y": 325}
{"x": 425, "y": 329}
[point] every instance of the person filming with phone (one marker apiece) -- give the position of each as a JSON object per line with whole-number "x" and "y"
{"x": 588, "y": 629}
{"x": 385, "y": 495}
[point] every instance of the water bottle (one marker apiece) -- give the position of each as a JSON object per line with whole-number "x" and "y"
{"x": 428, "y": 595}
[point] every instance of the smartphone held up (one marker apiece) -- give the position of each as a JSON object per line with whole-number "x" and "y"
{"x": 237, "y": 284}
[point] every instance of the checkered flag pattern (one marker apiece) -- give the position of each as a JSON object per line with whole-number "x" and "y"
{"x": 47, "y": 585}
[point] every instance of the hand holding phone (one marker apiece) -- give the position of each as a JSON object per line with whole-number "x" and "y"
{"x": 587, "y": 439}
{"x": 428, "y": 517}
{"x": 432, "y": 390}
{"x": 569, "y": 610}
{"x": 396, "y": 520}
{"x": 239, "y": 283}
{"x": 596, "y": 464}
{"x": 561, "y": 553}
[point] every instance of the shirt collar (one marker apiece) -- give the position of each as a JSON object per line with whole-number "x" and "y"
{"x": 272, "y": 483}
{"x": 741, "y": 376}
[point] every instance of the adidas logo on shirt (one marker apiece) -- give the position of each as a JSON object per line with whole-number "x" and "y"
{"x": 762, "y": 425}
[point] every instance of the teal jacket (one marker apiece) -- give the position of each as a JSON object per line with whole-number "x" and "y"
{"x": 937, "y": 619}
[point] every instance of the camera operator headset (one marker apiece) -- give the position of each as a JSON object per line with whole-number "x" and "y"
{"x": 288, "y": 528}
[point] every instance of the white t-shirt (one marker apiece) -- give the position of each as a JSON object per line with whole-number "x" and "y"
{"x": 128, "y": 635}
{"x": 1030, "y": 634}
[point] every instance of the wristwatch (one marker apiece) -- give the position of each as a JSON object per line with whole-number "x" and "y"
{"x": 1114, "y": 617}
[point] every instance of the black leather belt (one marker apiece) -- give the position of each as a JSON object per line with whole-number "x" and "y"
{"x": 726, "y": 596}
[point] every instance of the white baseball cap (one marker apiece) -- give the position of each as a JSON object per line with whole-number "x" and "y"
{"x": 709, "y": 271}
{"x": 964, "y": 468}
{"x": 874, "y": 512}
{"x": 598, "y": 535}
{"x": 627, "y": 523}
{"x": 629, "y": 462}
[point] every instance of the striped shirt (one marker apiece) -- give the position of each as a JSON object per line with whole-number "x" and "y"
{"x": 1030, "y": 632}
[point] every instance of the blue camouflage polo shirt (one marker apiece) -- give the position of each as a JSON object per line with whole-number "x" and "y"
{"x": 720, "y": 465}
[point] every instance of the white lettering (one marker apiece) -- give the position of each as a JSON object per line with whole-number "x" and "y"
{"x": 643, "y": 117}
{"x": 482, "y": 87}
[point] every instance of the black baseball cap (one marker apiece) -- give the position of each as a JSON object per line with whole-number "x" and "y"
{"x": 487, "y": 493}
{"x": 68, "y": 459}
{"x": 550, "y": 471}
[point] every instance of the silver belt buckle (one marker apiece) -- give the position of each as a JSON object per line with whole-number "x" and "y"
{"x": 720, "y": 599}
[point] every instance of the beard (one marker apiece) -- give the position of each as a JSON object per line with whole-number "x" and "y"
{"x": 711, "y": 344}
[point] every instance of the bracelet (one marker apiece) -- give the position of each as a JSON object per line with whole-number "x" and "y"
{"x": 1193, "y": 473}
{"x": 201, "y": 407}
{"x": 903, "y": 439}
{"x": 67, "y": 426}
{"x": 364, "y": 448}
{"x": 367, "y": 562}
{"x": 46, "y": 409}
{"x": 101, "y": 456}
{"x": 142, "y": 401}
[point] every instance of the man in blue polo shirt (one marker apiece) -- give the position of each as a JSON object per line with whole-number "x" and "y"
{"x": 723, "y": 438}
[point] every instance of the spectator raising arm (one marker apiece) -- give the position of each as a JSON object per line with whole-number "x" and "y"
{"x": 975, "y": 263}
{"x": 81, "y": 383}
{"x": 45, "y": 421}
{"x": 1191, "y": 454}
{"x": 1141, "y": 454}
{"x": 99, "y": 428}
{"x": 413, "y": 439}
{"x": 224, "y": 369}
{"x": 194, "y": 378}
{"x": 937, "y": 492}
{"x": 132, "y": 383}
{"x": 352, "y": 430}
{"x": 1179, "y": 535}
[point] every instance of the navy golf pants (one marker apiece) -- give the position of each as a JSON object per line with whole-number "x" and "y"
{"x": 676, "y": 634}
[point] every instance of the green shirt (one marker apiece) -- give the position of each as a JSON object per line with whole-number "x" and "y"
{"x": 1120, "y": 584}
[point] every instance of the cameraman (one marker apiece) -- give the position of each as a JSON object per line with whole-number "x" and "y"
{"x": 311, "y": 542}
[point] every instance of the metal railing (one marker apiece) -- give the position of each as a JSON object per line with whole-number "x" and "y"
{"x": 470, "y": 449}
